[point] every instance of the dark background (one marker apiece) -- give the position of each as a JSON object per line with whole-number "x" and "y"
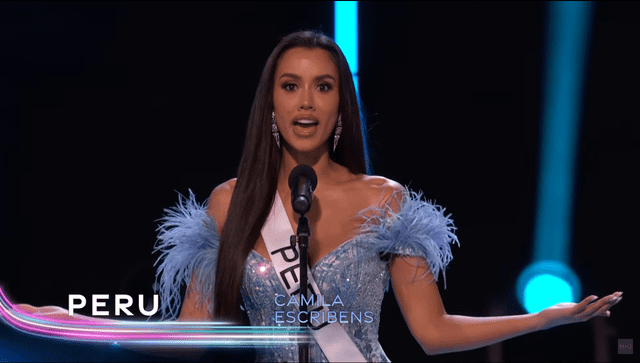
{"x": 109, "y": 109}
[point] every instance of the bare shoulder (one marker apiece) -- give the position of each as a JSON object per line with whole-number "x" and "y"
{"x": 380, "y": 191}
{"x": 380, "y": 182}
{"x": 219, "y": 202}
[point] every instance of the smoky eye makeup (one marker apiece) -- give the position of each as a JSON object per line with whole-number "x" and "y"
{"x": 325, "y": 87}
{"x": 289, "y": 86}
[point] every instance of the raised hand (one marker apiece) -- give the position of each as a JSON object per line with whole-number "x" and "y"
{"x": 568, "y": 313}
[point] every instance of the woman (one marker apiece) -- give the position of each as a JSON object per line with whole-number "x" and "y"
{"x": 365, "y": 230}
{"x": 306, "y": 112}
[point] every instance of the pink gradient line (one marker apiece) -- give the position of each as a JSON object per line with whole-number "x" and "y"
{"x": 183, "y": 333}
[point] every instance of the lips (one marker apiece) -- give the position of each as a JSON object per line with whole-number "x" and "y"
{"x": 305, "y": 121}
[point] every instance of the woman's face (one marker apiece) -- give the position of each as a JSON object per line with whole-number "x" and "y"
{"x": 306, "y": 97}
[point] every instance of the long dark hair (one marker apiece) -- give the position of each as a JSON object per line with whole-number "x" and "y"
{"x": 260, "y": 165}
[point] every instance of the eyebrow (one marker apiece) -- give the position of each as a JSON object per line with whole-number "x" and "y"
{"x": 295, "y": 76}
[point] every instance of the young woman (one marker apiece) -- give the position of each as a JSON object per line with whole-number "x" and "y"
{"x": 365, "y": 230}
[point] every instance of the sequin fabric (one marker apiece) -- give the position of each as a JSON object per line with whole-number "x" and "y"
{"x": 354, "y": 271}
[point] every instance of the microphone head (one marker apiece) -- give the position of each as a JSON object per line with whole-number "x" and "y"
{"x": 306, "y": 171}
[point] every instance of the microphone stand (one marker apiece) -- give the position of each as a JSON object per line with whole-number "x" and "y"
{"x": 303, "y": 234}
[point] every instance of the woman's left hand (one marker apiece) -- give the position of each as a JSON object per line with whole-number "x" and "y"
{"x": 568, "y": 313}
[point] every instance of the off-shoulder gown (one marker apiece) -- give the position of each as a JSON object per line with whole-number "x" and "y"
{"x": 357, "y": 271}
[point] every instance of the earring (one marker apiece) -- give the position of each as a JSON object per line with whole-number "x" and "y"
{"x": 274, "y": 128}
{"x": 338, "y": 131}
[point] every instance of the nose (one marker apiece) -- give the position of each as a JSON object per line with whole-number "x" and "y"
{"x": 307, "y": 101}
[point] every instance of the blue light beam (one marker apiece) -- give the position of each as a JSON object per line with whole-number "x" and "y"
{"x": 346, "y": 33}
{"x": 567, "y": 40}
{"x": 566, "y": 49}
{"x": 346, "y": 36}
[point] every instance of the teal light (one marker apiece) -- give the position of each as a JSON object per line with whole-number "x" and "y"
{"x": 544, "y": 291}
{"x": 346, "y": 36}
{"x": 546, "y": 283}
{"x": 568, "y": 30}
{"x": 346, "y": 33}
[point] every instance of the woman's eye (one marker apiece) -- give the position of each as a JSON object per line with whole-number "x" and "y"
{"x": 289, "y": 86}
{"x": 324, "y": 87}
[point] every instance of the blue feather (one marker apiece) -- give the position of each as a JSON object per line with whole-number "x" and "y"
{"x": 419, "y": 228}
{"x": 188, "y": 241}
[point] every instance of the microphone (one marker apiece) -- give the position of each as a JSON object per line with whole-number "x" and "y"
{"x": 303, "y": 182}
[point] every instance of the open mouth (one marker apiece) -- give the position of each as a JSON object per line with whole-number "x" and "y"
{"x": 305, "y": 123}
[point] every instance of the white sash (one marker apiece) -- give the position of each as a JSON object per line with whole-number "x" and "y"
{"x": 334, "y": 341}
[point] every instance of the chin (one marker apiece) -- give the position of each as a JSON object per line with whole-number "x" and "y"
{"x": 306, "y": 146}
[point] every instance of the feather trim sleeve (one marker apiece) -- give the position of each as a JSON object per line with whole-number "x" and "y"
{"x": 188, "y": 241}
{"x": 418, "y": 229}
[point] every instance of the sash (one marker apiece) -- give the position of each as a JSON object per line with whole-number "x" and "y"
{"x": 334, "y": 341}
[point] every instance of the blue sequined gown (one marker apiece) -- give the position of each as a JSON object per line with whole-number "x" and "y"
{"x": 354, "y": 271}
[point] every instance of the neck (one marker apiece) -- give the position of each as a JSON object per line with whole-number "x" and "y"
{"x": 319, "y": 160}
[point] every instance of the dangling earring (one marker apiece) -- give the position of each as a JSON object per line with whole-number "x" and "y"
{"x": 274, "y": 128}
{"x": 338, "y": 131}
